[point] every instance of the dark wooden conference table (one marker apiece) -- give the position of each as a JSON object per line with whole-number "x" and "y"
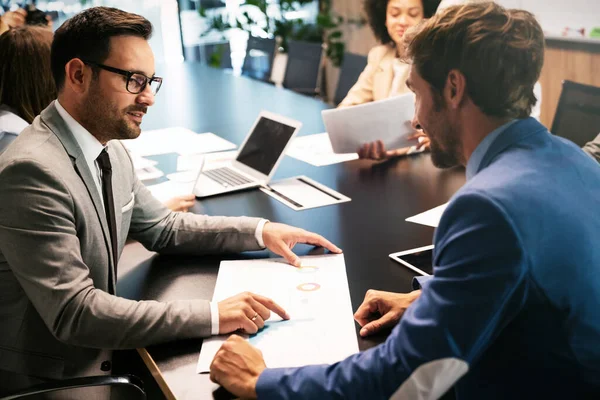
{"x": 368, "y": 228}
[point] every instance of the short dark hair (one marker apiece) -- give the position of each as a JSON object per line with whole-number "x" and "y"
{"x": 87, "y": 36}
{"x": 499, "y": 51}
{"x": 377, "y": 13}
{"x": 26, "y": 83}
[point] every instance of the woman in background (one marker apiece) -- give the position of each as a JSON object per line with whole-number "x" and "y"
{"x": 27, "y": 87}
{"x": 385, "y": 75}
{"x": 26, "y": 83}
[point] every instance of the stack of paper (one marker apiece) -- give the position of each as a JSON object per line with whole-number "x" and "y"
{"x": 176, "y": 140}
{"x": 145, "y": 169}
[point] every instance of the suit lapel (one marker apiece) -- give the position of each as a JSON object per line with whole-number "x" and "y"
{"x": 57, "y": 125}
{"x": 515, "y": 133}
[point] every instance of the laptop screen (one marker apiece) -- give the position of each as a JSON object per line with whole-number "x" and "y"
{"x": 265, "y": 144}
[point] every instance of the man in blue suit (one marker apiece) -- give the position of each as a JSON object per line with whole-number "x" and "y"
{"x": 513, "y": 308}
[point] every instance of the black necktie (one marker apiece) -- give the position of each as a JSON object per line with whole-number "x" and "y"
{"x": 109, "y": 203}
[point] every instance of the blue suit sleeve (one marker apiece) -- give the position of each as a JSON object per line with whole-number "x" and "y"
{"x": 478, "y": 286}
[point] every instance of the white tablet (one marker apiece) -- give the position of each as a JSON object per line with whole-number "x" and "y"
{"x": 419, "y": 260}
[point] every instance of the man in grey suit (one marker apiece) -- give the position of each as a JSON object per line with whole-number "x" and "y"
{"x": 593, "y": 148}
{"x": 69, "y": 198}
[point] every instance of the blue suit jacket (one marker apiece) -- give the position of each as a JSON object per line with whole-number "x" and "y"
{"x": 513, "y": 309}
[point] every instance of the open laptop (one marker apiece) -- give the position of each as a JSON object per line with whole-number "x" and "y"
{"x": 255, "y": 162}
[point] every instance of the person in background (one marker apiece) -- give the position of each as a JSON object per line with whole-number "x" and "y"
{"x": 385, "y": 75}
{"x": 593, "y": 148}
{"x": 27, "y": 87}
{"x": 511, "y": 311}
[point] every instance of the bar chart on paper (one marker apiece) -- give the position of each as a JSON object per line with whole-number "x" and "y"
{"x": 316, "y": 296}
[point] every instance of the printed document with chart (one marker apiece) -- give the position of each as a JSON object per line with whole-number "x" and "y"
{"x": 321, "y": 325}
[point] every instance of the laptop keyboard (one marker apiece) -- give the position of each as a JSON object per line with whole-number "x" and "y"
{"x": 226, "y": 177}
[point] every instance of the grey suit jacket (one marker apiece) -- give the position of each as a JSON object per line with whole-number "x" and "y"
{"x": 59, "y": 313}
{"x": 593, "y": 148}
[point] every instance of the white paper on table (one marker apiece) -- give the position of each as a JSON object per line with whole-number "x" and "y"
{"x": 317, "y": 150}
{"x": 147, "y": 173}
{"x": 193, "y": 162}
{"x": 176, "y": 140}
{"x": 184, "y": 176}
{"x": 316, "y": 297}
{"x": 430, "y": 218}
{"x": 169, "y": 189}
{"x": 301, "y": 193}
{"x": 387, "y": 120}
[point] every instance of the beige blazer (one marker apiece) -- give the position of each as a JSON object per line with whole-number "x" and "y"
{"x": 375, "y": 82}
{"x": 59, "y": 312}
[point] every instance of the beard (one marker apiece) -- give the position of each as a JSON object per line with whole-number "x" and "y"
{"x": 445, "y": 148}
{"x": 105, "y": 121}
{"x": 445, "y": 144}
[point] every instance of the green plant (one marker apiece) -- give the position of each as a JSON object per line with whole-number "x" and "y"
{"x": 327, "y": 27}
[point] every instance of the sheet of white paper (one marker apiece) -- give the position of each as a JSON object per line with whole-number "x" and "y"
{"x": 147, "y": 173}
{"x": 192, "y": 162}
{"x": 184, "y": 176}
{"x": 169, "y": 189}
{"x": 317, "y": 298}
{"x": 301, "y": 192}
{"x": 430, "y": 218}
{"x": 176, "y": 140}
{"x": 317, "y": 150}
{"x": 387, "y": 120}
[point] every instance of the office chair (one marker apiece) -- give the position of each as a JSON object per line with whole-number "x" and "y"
{"x": 132, "y": 384}
{"x": 577, "y": 116}
{"x": 258, "y": 62}
{"x": 303, "y": 65}
{"x": 351, "y": 68}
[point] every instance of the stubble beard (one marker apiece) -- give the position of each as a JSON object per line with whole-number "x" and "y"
{"x": 105, "y": 121}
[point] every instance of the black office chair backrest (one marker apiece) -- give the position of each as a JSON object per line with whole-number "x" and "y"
{"x": 302, "y": 70}
{"x": 217, "y": 55}
{"x": 577, "y": 116}
{"x": 258, "y": 62}
{"x": 122, "y": 387}
{"x": 350, "y": 70}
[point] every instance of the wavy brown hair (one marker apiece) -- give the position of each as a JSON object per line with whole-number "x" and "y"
{"x": 26, "y": 83}
{"x": 376, "y": 11}
{"x": 499, "y": 51}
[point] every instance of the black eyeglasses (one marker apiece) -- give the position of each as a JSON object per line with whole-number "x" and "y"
{"x": 136, "y": 82}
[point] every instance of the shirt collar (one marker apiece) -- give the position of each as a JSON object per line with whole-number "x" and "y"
{"x": 483, "y": 147}
{"x": 90, "y": 146}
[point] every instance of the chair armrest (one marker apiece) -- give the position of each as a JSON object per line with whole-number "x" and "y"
{"x": 89, "y": 381}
